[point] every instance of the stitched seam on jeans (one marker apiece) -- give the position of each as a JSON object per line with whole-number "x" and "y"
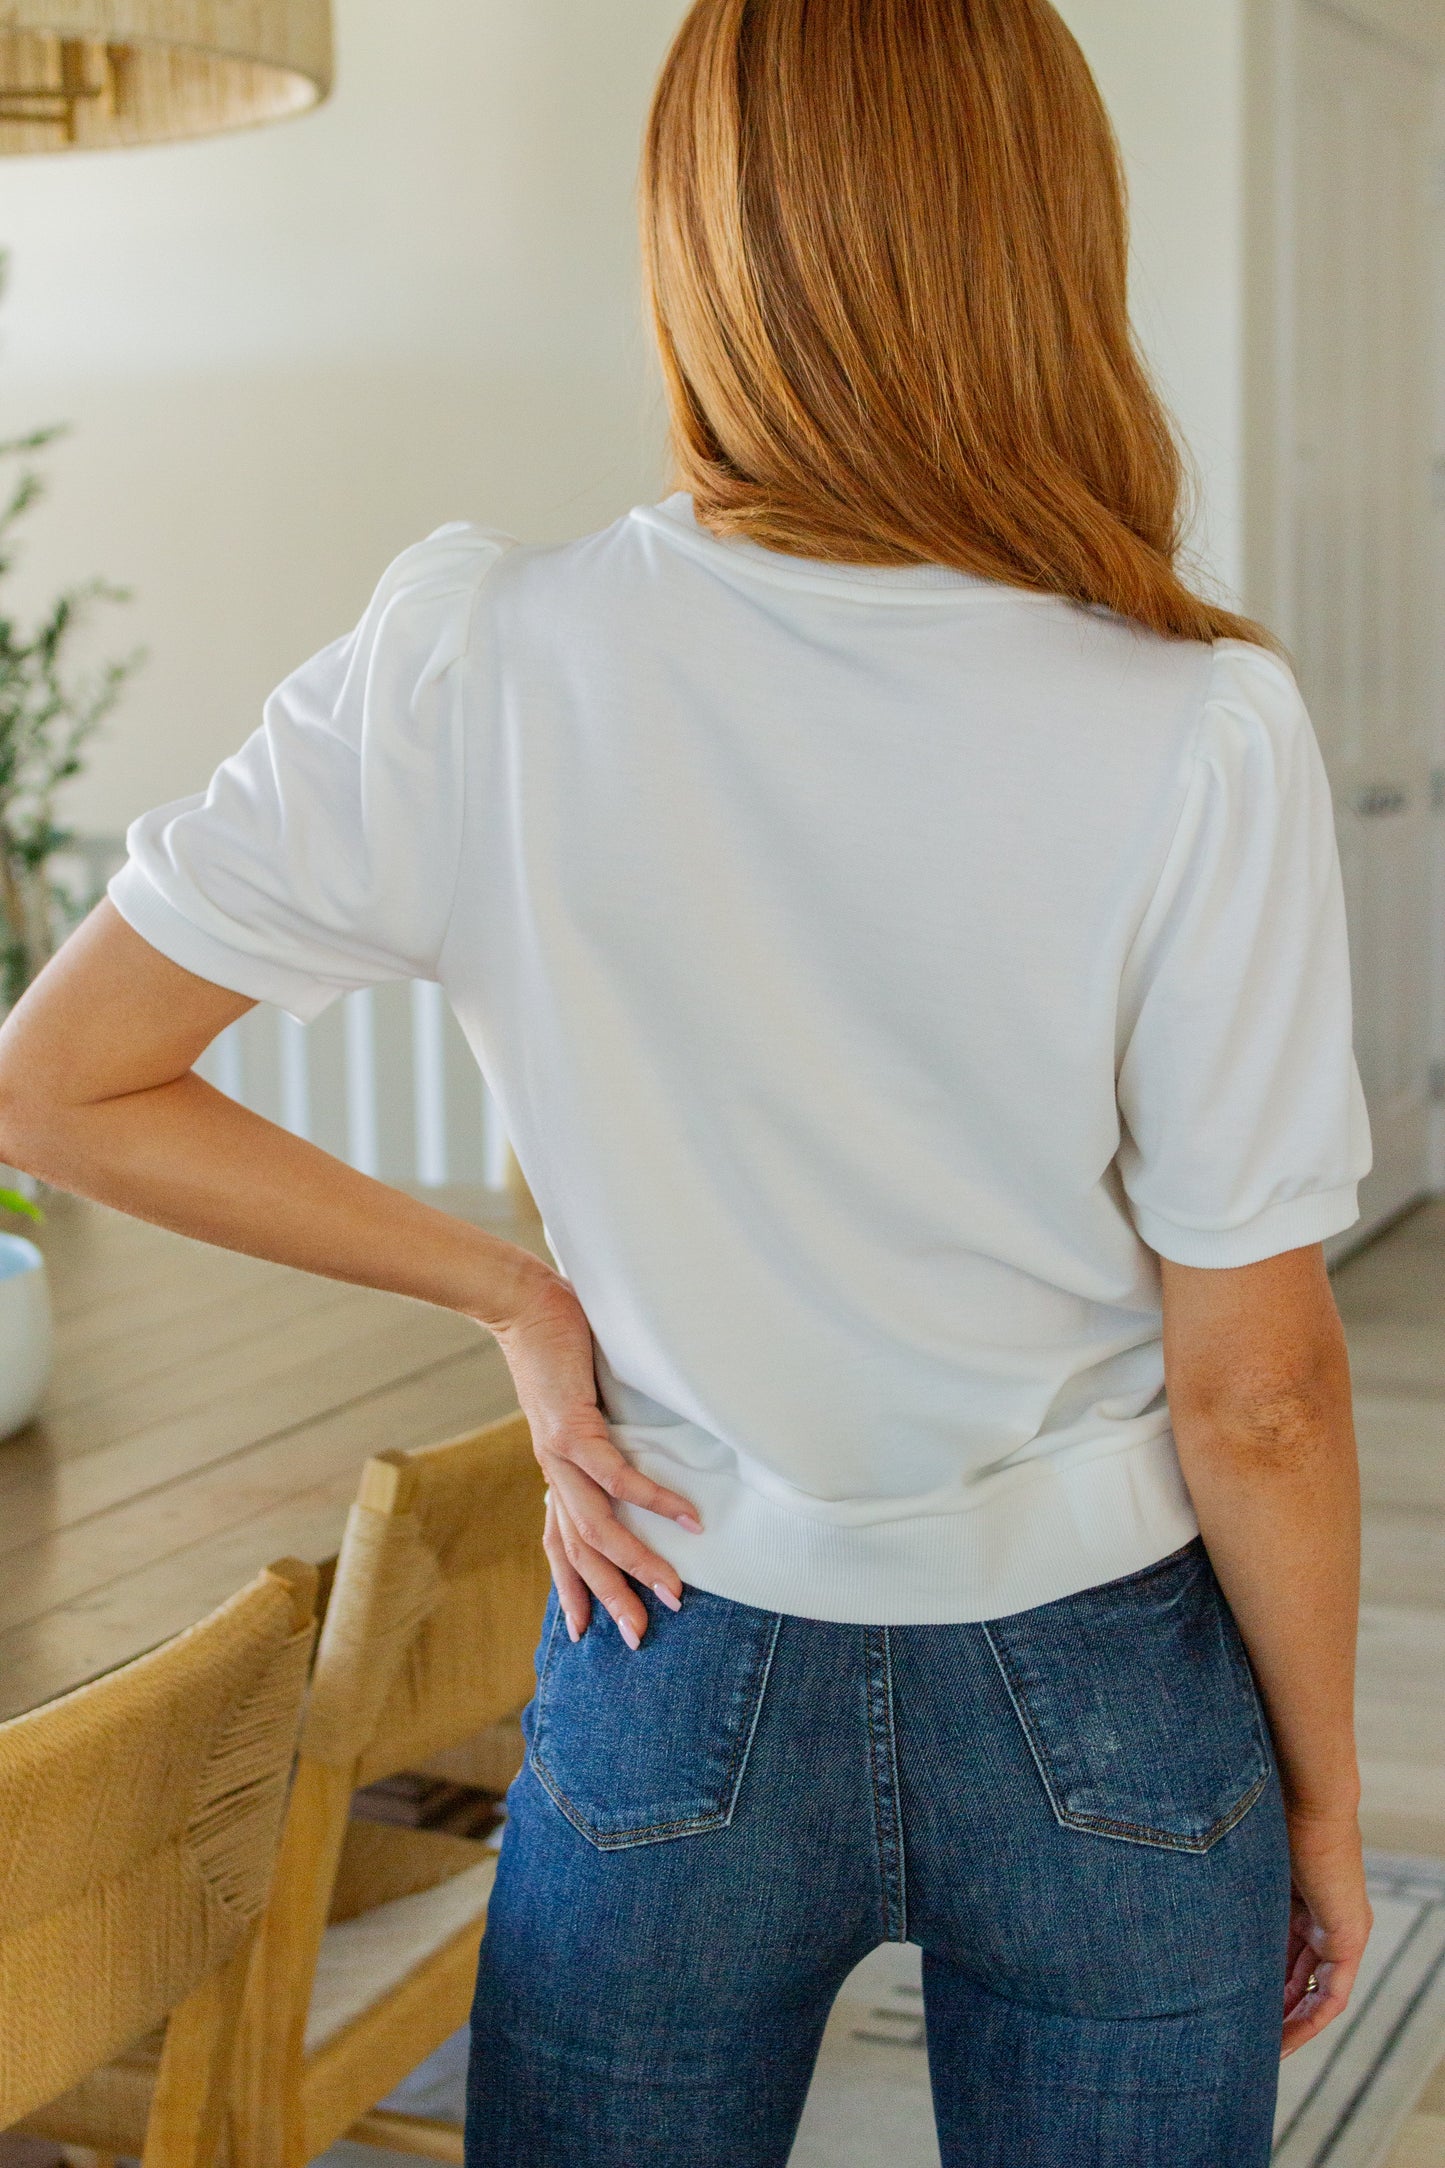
{"x": 1141, "y": 1573}
{"x": 1106, "y": 1825}
{"x": 1160, "y": 1839}
{"x": 551, "y": 1644}
{"x": 757, "y": 1690}
{"x": 539, "y": 1720}
{"x": 1035, "y": 1745}
{"x": 899, "y": 1853}
{"x": 635, "y": 1833}
{"x": 878, "y": 1812}
{"x": 543, "y": 1674}
{"x": 687, "y": 1825}
{"x": 620, "y": 1840}
{"x": 1262, "y": 1736}
{"x": 872, "y": 1758}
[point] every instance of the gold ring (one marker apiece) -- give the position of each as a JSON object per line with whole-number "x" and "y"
{"x": 1313, "y": 1986}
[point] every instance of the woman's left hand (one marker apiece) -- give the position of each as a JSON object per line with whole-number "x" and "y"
{"x": 1330, "y": 1920}
{"x": 548, "y": 1346}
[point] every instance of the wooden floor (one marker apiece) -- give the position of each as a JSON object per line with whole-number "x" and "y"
{"x": 1421, "y": 2143}
{"x": 1392, "y": 1298}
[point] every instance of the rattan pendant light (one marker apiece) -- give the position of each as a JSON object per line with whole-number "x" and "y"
{"x": 91, "y": 74}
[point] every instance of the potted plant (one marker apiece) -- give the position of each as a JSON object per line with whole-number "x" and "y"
{"x": 48, "y": 713}
{"x": 47, "y": 716}
{"x": 26, "y": 1337}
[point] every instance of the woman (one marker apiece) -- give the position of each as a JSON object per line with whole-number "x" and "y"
{"x": 900, "y": 920}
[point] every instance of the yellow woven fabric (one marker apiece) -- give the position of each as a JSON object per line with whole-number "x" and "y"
{"x": 387, "y": 1584}
{"x": 138, "y": 1825}
{"x": 435, "y": 1610}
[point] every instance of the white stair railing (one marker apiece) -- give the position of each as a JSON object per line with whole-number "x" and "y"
{"x": 384, "y": 1079}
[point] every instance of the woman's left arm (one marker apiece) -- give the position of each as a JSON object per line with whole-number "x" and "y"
{"x": 98, "y": 1095}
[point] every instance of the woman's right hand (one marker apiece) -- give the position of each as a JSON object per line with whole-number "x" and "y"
{"x": 1330, "y": 1921}
{"x": 544, "y": 1334}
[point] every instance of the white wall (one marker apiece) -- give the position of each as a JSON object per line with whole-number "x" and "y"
{"x": 289, "y": 353}
{"x": 1173, "y": 75}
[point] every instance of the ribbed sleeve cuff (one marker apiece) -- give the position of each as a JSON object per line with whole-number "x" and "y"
{"x": 157, "y": 921}
{"x": 1292, "y": 1225}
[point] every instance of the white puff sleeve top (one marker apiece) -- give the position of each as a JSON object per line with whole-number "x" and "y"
{"x": 878, "y": 971}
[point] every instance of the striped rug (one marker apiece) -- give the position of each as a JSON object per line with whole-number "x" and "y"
{"x": 1343, "y": 2098}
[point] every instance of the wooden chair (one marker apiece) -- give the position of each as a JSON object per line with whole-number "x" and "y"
{"x": 139, "y": 1819}
{"x": 366, "y": 1959}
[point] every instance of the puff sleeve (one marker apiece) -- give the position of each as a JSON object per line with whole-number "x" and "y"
{"x": 1244, "y": 1130}
{"x": 323, "y": 856}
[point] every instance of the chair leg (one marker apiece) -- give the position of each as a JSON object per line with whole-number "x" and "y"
{"x": 189, "y": 2104}
{"x": 410, "y": 2134}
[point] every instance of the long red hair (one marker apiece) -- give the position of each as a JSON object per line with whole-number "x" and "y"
{"x": 886, "y": 245}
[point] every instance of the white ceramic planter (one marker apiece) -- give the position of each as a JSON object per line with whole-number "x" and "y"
{"x": 26, "y": 1337}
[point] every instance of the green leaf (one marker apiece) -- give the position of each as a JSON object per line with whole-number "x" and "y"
{"x": 12, "y": 1201}
{"x": 49, "y": 713}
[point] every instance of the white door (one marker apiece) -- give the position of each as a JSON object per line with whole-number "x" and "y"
{"x": 1363, "y": 540}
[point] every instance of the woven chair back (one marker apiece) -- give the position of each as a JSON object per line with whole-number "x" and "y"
{"x": 436, "y": 1606}
{"x": 138, "y": 1826}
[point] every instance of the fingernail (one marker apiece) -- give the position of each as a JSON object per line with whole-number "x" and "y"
{"x": 690, "y": 1522}
{"x": 664, "y": 1594}
{"x": 629, "y": 1634}
{"x": 572, "y": 1629}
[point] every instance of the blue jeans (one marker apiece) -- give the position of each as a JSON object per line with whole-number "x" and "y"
{"x": 1074, "y": 1810}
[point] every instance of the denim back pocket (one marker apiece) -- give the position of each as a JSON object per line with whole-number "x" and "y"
{"x": 636, "y": 1746}
{"x": 1139, "y": 1706}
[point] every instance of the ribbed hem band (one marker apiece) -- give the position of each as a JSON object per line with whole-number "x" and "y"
{"x": 1028, "y": 1536}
